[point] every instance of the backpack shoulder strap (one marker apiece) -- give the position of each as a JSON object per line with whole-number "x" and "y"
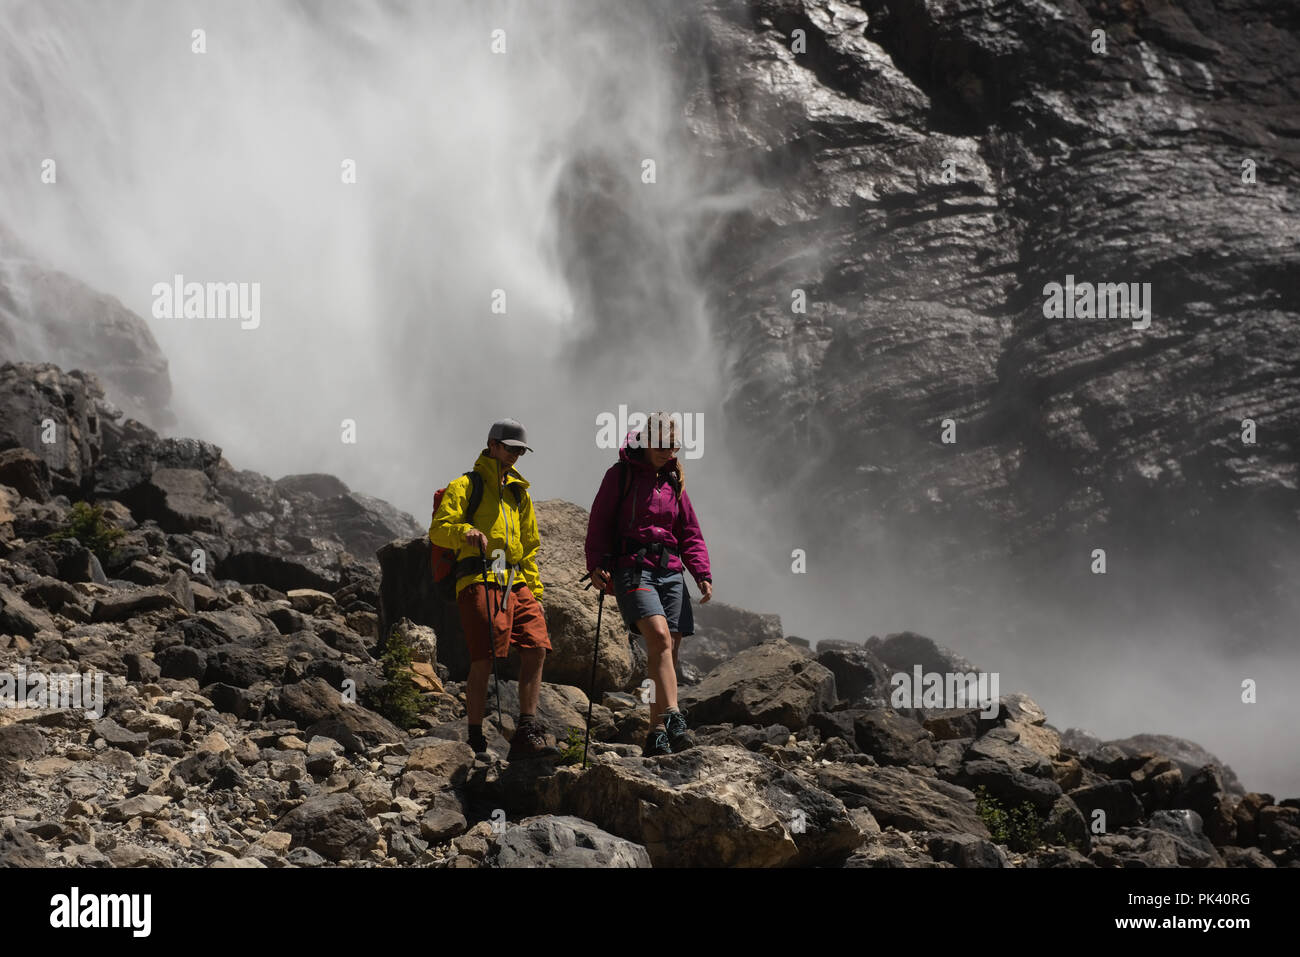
{"x": 475, "y": 495}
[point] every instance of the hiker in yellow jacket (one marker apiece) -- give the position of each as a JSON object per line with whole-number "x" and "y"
{"x": 503, "y": 533}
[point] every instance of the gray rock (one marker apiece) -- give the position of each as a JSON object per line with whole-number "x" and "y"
{"x": 129, "y": 602}
{"x": 1001, "y": 745}
{"x": 772, "y": 683}
{"x": 1189, "y": 756}
{"x": 1193, "y": 848}
{"x": 893, "y": 849}
{"x": 1245, "y": 857}
{"x": 320, "y": 709}
{"x": 966, "y": 850}
{"x": 1010, "y": 787}
{"x": 17, "y": 617}
{"x": 1116, "y": 798}
{"x": 709, "y": 806}
{"x": 444, "y": 817}
{"x": 564, "y": 841}
{"x": 332, "y": 825}
{"x": 859, "y": 674}
{"x": 116, "y": 736}
{"x": 24, "y": 470}
{"x": 34, "y": 393}
{"x": 893, "y": 739}
{"x": 723, "y": 631}
{"x": 1204, "y": 793}
{"x": 899, "y": 798}
{"x": 903, "y": 651}
{"x": 21, "y": 742}
{"x": 142, "y": 806}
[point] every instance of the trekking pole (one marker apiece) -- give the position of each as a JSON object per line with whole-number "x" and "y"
{"x": 492, "y": 634}
{"x": 595, "y": 650}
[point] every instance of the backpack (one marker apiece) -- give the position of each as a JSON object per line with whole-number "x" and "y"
{"x": 443, "y": 560}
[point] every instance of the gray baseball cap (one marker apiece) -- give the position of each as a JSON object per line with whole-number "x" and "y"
{"x": 511, "y": 433}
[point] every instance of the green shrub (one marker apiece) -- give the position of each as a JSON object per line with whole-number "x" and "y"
{"x": 88, "y": 525}
{"x": 1017, "y": 828}
{"x": 571, "y": 749}
{"x": 399, "y": 698}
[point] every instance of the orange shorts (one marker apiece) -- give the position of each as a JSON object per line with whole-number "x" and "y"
{"x": 521, "y": 623}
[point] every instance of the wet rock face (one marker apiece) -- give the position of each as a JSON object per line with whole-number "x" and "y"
{"x": 47, "y": 315}
{"x": 927, "y": 170}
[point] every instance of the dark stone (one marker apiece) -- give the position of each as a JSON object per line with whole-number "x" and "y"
{"x": 1116, "y": 798}
{"x": 116, "y": 736}
{"x": 332, "y": 825}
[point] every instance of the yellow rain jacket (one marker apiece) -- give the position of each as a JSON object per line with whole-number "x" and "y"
{"x": 510, "y": 528}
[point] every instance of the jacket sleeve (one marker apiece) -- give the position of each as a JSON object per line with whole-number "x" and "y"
{"x": 530, "y": 541}
{"x": 600, "y": 524}
{"x": 447, "y": 529}
{"x": 690, "y": 541}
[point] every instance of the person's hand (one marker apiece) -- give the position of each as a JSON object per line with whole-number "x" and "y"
{"x": 706, "y": 592}
{"x": 478, "y": 539}
{"x": 602, "y": 579}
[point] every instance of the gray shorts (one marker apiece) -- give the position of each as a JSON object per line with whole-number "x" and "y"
{"x": 645, "y": 592}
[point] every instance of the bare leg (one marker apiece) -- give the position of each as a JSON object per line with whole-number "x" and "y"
{"x": 530, "y": 678}
{"x": 659, "y": 664}
{"x": 476, "y": 689}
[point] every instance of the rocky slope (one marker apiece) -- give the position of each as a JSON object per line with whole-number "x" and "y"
{"x": 229, "y": 736}
{"x": 924, "y": 170}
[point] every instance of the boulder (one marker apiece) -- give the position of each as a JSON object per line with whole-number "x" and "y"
{"x": 179, "y": 500}
{"x": 723, "y": 631}
{"x": 124, "y": 603}
{"x": 1116, "y": 798}
{"x": 571, "y": 608}
{"x": 21, "y": 742}
{"x": 772, "y": 683}
{"x": 333, "y": 825}
{"x": 900, "y": 798}
{"x": 25, "y": 471}
{"x": 563, "y": 841}
{"x": 903, "y": 651}
{"x": 859, "y": 675}
{"x": 318, "y": 708}
{"x": 709, "y": 807}
{"x": 40, "y": 400}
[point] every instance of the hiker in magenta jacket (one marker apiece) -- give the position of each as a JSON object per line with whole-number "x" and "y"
{"x": 641, "y": 535}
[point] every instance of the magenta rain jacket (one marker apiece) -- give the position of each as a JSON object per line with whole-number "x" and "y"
{"x": 651, "y": 513}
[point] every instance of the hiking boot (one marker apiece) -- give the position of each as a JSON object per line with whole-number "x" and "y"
{"x": 679, "y": 736}
{"x": 656, "y": 743}
{"x": 478, "y": 744}
{"x": 530, "y": 742}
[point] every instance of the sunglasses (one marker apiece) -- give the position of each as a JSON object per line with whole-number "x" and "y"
{"x": 512, "y": 449}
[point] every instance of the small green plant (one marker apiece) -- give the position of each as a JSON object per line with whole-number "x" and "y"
{"x": 88, "y": 525}
{"x": 1017, "y": 828}
{"x": 571, "y": 750}
{"x": 398, "y": 699}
